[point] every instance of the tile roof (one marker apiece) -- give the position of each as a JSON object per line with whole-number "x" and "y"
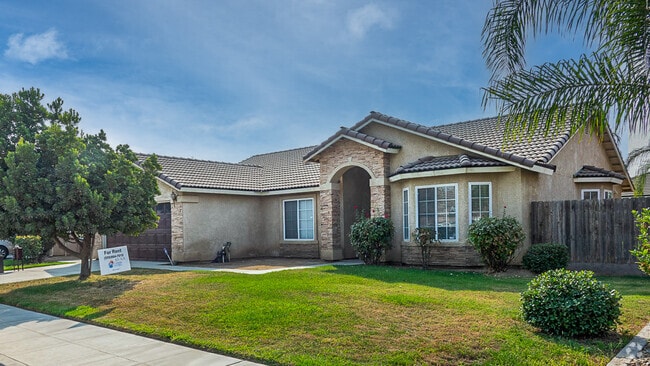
{"x": 291, "y": 169}
{"x": 432, "y": 163}
{"x": 286, "y": 170}
{"x": 259, "y": 173}
{"x": 185, "y": 172}
{"x": 588, "y": 171}
{"x": 490, "y": 132}
{"x": 485, "y": 136}
{"x": 355, "y": 135}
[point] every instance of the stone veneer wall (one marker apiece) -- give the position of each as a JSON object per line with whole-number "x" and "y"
{"x": 443, "y": 255}
{"x": 334, "y": 161}
{"x": 177, "y": 232}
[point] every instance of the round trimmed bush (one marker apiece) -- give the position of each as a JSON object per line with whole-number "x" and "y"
{"x": 570, "y": 303}
{"x": 545, "y": 257}
{"x": 370, "y": 237}
{"x": 496, "y": 239}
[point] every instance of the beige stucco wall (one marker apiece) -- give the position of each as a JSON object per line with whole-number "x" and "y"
{"x": 580, "y": 150}
{"x": 506, "y": 193}
{"x": 203, "y": 222}
{"x": 413, "y": 146}
{"x": 254, "y": 223}
{"x": 273, "y": 227}
{"x": 512, "y": 190}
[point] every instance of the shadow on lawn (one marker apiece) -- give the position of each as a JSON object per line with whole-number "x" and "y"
{"x": 444, "y": 279}
{"x": 71, "y": 298}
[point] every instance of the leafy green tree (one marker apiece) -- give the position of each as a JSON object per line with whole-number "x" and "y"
{"x": 21, "y": 116}
{"x": 69, "y": 187}
{"x": 609, "y": 84}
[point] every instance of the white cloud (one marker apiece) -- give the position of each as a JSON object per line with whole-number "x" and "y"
{"x": 361, "y": 20}
{"x": 35, "y": 48}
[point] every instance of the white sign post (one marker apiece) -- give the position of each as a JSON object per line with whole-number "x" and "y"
{"x": 113, "y": 260}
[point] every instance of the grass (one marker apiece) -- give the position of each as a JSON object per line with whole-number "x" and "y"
{"x": 334, "y": 315}
{"x": 9, "y": 264}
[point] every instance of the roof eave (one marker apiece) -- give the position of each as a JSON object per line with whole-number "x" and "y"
{"x": 489, "y": 152}
{"x": 311, "y": 157}
{"x": 453, "y": 171}
{"x": 598, "y": 180}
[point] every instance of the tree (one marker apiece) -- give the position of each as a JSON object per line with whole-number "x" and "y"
{"x": 610, "y": 83}
{"x": 640, "y": 158}
{"x": 68, "y": 186}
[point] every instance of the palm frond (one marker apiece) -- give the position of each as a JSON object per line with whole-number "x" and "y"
{"x": 583, "y": 93}
{"x": 510, "y": 22}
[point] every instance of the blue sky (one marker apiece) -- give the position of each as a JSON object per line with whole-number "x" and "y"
{"x": 224, "y": 80}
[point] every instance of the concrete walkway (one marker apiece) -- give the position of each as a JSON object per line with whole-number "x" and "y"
{"x": 73, "y": 267}
{"x": 29, "y": 338}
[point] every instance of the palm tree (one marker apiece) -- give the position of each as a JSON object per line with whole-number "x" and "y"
{"x": 639, "y": 159}
{"x": 610, "y": 84}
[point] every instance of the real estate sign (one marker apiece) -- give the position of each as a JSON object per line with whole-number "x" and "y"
{"x": 113, "y": 260}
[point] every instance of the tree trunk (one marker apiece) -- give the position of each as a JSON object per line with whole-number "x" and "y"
{"x": 86, "y": 251}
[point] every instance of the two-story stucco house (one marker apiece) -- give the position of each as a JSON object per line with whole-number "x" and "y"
{"x": 301, "y": 202}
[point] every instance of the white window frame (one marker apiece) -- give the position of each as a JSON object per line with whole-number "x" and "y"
{"x": 284, "y": 221}
{"x": 582, "y": 193}
{"x": 417, "y": 208}
{"x": 608, "y": 192}
{"x": 469, "y": 197}
{"x": 405, "y": 215}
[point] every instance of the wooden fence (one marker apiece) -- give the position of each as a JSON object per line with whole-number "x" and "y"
{"x": 597, "y": 232}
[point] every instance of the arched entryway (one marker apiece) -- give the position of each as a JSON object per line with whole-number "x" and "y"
{"x": 355, "y": 200}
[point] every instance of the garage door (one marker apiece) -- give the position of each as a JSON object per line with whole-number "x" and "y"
{"x": 149, "y": 245}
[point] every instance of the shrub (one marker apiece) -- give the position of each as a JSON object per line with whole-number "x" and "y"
{"x": 569, "y": 303}
{"x": 425, "y": 240}
{"x": 496, "y": 239}
{"x": 32, "y": 247}
{"x": 371, "y": 237}
{"x": 545, "y": 257}
{"x": 642, "y": 252}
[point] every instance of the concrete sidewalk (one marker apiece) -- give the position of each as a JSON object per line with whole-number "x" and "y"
{"x": 29, "y": 338}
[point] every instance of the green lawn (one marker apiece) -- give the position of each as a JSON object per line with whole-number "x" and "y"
{"x": 334, "y": 315}
{"x": 9, "y": 264}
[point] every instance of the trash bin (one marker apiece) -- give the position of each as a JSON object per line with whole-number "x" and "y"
{"x": 2, "y": 264}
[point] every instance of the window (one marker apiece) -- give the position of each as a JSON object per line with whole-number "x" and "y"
{"x": 590, "y": 194}
{"x": 608, "y": 194}
{"x": 299, "y": 219}
{"x": 405, "y": 215}
{"x": 480, "y": 201}
{"x": 436, "y": 209}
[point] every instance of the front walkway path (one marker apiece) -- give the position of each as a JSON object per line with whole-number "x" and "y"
{"x": 73, "y": 267}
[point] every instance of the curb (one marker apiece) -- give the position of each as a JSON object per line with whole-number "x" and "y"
{"x": 632, "y": 350}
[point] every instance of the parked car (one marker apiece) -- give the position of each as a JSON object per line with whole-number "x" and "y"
{"x": 6, "y": 248}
